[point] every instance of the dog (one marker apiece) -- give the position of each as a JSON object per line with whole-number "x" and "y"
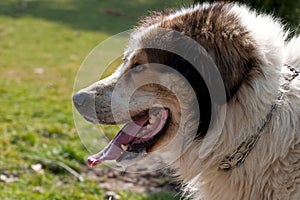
{"x": 228, "y": 126}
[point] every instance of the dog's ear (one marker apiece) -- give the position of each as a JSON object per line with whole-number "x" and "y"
{"x": 234, "y": 72}
{"x": 234, "y": 60}
{"x": 224, "y": 72}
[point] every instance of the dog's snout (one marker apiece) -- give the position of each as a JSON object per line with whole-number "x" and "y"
{"x": 80, "y": 99}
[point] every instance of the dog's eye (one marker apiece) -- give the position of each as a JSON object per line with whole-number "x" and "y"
{"x": 124, "y": 59}
{"x": 138, "y": 68}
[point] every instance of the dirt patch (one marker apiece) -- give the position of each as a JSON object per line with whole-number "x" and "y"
{"x": 144, "y": 180}
{"x": 149, "y": 183}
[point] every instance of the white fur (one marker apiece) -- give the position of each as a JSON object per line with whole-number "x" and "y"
{"x": 292, "y": 52}
{"x": 272, "y": 170}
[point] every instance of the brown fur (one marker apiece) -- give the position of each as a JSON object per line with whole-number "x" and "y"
{"x": 250, "y": 58}
{"x": 226, "y": 41}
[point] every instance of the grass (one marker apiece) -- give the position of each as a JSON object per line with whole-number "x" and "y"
{"x": 42, "y": 44}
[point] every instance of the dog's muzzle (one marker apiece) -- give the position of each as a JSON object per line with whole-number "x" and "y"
{"x": 85, "y": 104}
{"x": 80, "y": 99}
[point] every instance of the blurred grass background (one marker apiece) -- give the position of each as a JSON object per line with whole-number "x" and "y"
{"x": 42, "y": 44}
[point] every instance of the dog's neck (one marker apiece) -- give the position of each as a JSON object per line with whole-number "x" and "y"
{"x": 198, "y": 167}
{"x": 238, "y": 156}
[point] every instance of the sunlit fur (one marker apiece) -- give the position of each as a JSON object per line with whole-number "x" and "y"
{"x": 251, "y": 57}
{"x": 272, "y": 170}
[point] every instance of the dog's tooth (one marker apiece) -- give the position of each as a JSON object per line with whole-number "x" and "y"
{"x": 152, "y": 119}
{"x": 158, "y": 115}
{"x": 144, "y": 151}
{"x": 149, "y": 126}
{"x": 124, "y": 147}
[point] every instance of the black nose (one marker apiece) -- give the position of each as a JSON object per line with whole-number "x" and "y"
{"x": 80, "y": 99}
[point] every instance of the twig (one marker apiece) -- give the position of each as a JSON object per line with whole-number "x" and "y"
{"x": 70, "y": 170}
{"x": 62, "y": 165}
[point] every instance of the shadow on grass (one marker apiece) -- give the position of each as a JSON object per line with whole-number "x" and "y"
{"x": 109, "y": 16}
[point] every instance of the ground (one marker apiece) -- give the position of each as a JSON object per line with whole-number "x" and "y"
{"x": 154, "y": 183}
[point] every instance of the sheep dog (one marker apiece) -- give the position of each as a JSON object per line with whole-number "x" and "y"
{"x": 239, "y": 141}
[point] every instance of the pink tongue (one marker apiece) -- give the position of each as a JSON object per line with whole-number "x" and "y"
{"x": 113, "y": 150}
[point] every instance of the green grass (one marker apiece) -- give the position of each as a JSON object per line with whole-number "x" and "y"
{"x": 36, "y": 123}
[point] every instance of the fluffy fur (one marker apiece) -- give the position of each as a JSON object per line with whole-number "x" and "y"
{"x": 250, "y": 51}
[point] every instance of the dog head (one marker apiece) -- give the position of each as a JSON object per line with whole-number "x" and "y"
{"x": 177, "y": 67}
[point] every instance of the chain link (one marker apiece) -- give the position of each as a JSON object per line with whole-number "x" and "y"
{"x": 236, "y": 158}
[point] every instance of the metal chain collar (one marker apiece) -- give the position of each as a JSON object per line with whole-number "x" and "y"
{"x": 237, "y": 157}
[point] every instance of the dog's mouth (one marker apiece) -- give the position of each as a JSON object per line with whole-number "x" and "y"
{"x": 135, "y": 138}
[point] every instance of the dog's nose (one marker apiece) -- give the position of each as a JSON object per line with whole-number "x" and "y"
{"x": 80, "y": 99}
